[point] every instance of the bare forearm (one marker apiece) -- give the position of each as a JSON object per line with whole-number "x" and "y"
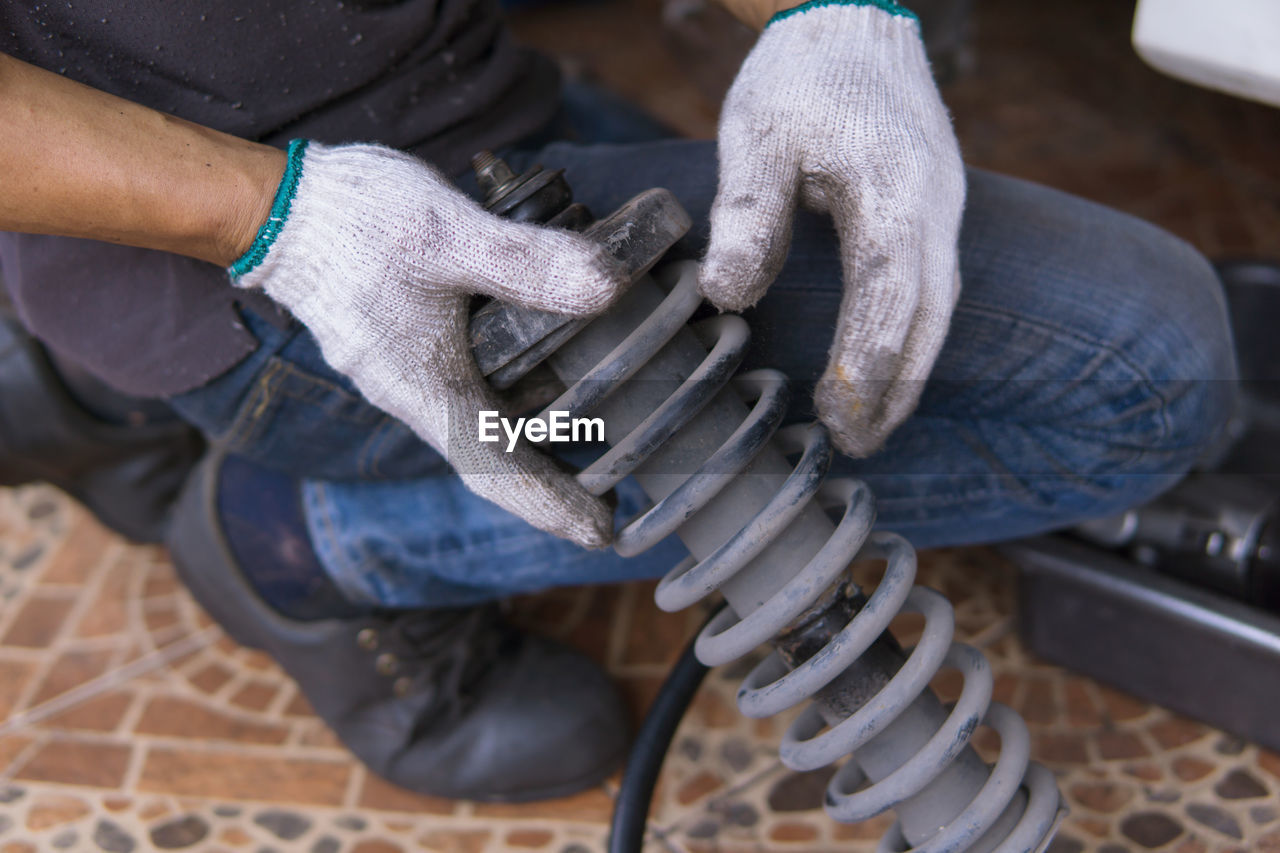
{"x": 756, "y": 13}
{"x": 78, "y": 162}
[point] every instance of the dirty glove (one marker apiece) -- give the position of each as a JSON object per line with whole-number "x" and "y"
{"x": 835, "y": 109}
{"x": 376, "y": 253}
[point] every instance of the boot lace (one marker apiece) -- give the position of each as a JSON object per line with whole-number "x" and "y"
{"x": 439, "y": 656}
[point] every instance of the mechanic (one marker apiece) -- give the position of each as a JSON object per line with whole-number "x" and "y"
{"x": 248, "y": 214}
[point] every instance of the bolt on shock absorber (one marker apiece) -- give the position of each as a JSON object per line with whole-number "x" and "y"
{"x": 774, "y": 536}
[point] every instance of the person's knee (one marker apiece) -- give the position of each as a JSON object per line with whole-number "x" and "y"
{"x": 1171, "y": 347}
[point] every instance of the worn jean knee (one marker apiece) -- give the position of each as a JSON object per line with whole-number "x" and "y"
{"x": 1160, "y": 384}
{"x": 1088, "y": 365}
{"x": 1170, "y": 327}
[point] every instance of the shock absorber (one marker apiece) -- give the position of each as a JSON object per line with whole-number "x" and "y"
{"x": 705, "y": 444}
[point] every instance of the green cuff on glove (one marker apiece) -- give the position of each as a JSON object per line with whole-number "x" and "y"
{"x": 279, "y": 213}
{"x": 887, "y": 5}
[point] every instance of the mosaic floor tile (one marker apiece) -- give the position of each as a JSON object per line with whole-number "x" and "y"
{"x": 154, "y": 747}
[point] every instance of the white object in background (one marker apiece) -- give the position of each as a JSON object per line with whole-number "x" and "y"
{"x": 1229, "y": 45}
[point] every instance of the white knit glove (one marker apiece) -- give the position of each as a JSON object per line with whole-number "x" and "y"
{"x": 376, "y": 253}
{"x": 835, "y": 109}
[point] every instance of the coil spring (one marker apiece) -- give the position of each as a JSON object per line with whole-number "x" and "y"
{"x": 773, "y": 686}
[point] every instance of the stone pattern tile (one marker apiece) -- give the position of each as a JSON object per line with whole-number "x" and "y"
{"x": 132, "y": 724}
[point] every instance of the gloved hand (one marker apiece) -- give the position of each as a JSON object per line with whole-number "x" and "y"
{"x": 376, "y": 253}
{"x": 835, "y": 109}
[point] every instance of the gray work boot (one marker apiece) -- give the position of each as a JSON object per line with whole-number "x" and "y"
{"x": 451, "y": 703}
{"x": 127, "y": 474}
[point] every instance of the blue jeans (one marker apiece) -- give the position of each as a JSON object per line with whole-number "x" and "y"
{"x": 1088, "y": 364}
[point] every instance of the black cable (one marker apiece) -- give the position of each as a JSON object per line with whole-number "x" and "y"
{"x": 631, "y": 809}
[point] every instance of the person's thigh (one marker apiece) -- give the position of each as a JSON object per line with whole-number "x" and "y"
{"x": 433, "y": 543}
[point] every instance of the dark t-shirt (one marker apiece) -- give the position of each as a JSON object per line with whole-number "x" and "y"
{"x": 440, "y": 78}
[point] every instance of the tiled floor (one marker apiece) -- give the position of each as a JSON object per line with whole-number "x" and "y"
{"x": 127, "y": 722}
{"x": 130, "y": 723}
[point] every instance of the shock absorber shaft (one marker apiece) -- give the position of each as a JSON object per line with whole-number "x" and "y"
{"x": 758, "y": 530}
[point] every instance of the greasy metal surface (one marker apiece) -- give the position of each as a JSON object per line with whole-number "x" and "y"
{"x": 534, "y": 196}
{"x": 1210, "y": 530}
{"x": 636, "y": 235}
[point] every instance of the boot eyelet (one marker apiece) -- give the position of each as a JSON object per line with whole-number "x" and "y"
{"x": 386, "y": 664}
{"x": 402, "y": 685}
{"x": 367, "y": 639}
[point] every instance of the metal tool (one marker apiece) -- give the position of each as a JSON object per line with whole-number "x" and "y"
{"x": 1221, "y": 531}
{"x": 706, "y": 447}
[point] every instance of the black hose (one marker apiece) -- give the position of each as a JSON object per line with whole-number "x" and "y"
{"x": 631, "y": 810}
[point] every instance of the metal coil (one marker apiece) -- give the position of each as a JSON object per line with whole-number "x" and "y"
{"x": 773, "y": 687}
{"x": 815, "y": 657}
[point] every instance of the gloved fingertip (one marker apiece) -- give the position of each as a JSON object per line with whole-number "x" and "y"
{"x": 733, "y": 280}
{"x": 592, "y": 523}
{"x": 606, "y": 283}
{"x": 590, "y": 280}
{"x": 553, "y": 500}
{"x": 853, "y": 414}
{"x": 856, "y": 443}
{"x": 595, "y": 539}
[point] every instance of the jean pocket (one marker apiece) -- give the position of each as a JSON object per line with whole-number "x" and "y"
{"x": 309, "y": 426}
